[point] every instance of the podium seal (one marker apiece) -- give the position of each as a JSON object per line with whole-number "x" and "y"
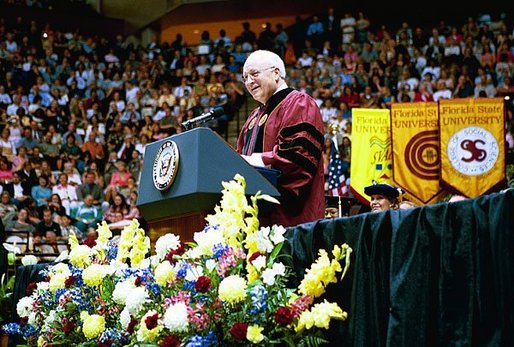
{"x": 165, "y": 165}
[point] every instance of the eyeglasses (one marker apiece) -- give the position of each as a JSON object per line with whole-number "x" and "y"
{"x": 255, "y": 74}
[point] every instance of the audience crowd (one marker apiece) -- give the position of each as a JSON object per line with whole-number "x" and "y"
{"x": 77, "y": 110}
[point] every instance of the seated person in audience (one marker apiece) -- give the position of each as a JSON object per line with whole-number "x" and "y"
{"x": 90, "y": 186}
{"x": 67, "y": 193}
{"x": 48, "y": 232}
{"x": 119, "y": 180}
{"x": 21, "y": 223}
{"x": 8, "y": 210}
{"x": 117, "y": 204}
{"x": 87, "y": 216}
{"x": 383, "y": 196}
{"x": 18, "y": 190}
{"x": 134, "y": 211}
{"x": 42, "y": 192}
{"x": 6, "y": 171}
{"x": 67, "y": 228}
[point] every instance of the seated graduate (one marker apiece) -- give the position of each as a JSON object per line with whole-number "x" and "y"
{"x": 383, "y": 196}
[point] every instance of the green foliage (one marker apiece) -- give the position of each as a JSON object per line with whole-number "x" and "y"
{"x": 510, "y": 175}
{"x": 6, "y": 293}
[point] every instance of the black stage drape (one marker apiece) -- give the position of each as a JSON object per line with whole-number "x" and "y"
{"x": 437, "y": 275}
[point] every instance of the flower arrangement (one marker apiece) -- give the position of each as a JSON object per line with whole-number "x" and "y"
{"x": 227, "y": 288}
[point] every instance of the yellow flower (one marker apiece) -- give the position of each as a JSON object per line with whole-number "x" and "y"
{"x": 133, "y": 244}
{"x": 72, "y": 240}
{"x": 254, "y": 334}
{"x": 80, "y": 256}
{"x": 57, "y": 281}
{"x": 93, "y": 325}
{"x": 164, "y": 273}
{"x": 321, "y": 273}
{"x": 320, "y": 316}
{"x": 232, "y": 289}
{"x": 104, "y": 234}
{"x": 93, "y": 275}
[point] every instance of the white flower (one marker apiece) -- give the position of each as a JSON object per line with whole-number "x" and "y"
{"x": 211, "y": 264}
{"x": 121, "y": 290}
{"x": 175, "y": 317}
{"x": 25, "y": 306}
{"x": 263, "y": 242}
{"x": 29, "y": 260}
{"x": 279, "y": 269}
{"x": 32, "y": 318}
{"x": 50, "y": 318}
{"x": 42, "y": 286}
{"x": 193, "y": 273}
{"x": 268, "y": 277}
{"x": 136, "y": 298}
{"x": 125, "y": 318}
{"x": 205, "y": 242}
{"x": 166, "y": 243}
{"x": 259, "y": 262}
{"x": 277, "y": 234}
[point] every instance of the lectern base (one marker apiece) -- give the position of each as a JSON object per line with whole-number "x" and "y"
{"x": 184, "y": 226}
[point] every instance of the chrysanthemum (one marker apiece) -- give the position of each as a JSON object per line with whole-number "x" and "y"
{"x": 232, "y": 289}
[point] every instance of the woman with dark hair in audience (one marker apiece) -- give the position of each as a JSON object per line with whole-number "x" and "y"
{"x": 55, "y": 205}
{"x": 117, "y": 204}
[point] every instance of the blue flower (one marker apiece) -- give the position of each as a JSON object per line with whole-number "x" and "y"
{"x": 203, "y": 341}
{"x": 182, "y": 269}
{"x": 218, "y": 250}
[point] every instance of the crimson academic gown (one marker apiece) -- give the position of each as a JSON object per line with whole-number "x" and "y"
{"x": 288, "y": 131}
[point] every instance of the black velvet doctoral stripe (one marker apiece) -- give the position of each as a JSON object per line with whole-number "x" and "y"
{"x": 304, "y": 143}
{"x": 303, "y": 127}
{"x": 299, "y": 160}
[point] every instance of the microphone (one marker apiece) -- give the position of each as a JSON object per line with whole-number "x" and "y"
{"x": 204, "y": 117}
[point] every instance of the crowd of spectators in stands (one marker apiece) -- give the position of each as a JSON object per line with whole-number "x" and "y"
{"x": 77, "y": 110}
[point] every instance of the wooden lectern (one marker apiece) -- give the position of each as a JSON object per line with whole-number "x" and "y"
{"x": 181, "y": 181}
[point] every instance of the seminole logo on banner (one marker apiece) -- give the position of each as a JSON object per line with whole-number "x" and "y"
{"x": 371, "y": 150}
{"x": 472, "y": 140}
{"x": 415, "y": 138}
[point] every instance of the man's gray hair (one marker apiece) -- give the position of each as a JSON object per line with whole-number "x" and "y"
{"x": 273, "y": 59}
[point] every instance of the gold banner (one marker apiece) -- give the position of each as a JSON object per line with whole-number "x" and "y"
{"x": 472, "y": 133}
{"x": 415, "y": 141}
{"x": 371, "y": 150}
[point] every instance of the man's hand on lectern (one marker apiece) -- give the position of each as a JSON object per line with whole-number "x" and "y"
{"x": 254, "y": 159}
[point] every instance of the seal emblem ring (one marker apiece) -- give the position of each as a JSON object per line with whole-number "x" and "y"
{"x": 165, "y": 165}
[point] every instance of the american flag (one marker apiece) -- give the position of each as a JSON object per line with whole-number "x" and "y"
{"x": 337, "y": 174}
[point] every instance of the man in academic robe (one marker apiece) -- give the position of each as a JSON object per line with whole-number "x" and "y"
{"x": 284, "y": 133}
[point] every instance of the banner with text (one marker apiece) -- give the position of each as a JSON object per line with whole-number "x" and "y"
{"x": 371, "y": 150}
{"x": 472, "y": 138}
{"x": 415, "y": 142}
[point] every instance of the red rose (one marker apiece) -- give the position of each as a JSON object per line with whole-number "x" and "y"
{"x": 179, "y": 251}
{"x": 284, "y": 316}
{"x": 254, "y": 256}
{"x": 69, "y": 282}
{"x": 151, "y": 321}
{"x": 131, "y": 325}
{"x": 238, "y": 331}
{"x": 30, "y": 288}
{"x": 170, "y": 341}
{"x": 203, "y": 284}
{"x": 90, "y": 242}
{"x": 24, "y": 321}
{"x": 68, "y": 328}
